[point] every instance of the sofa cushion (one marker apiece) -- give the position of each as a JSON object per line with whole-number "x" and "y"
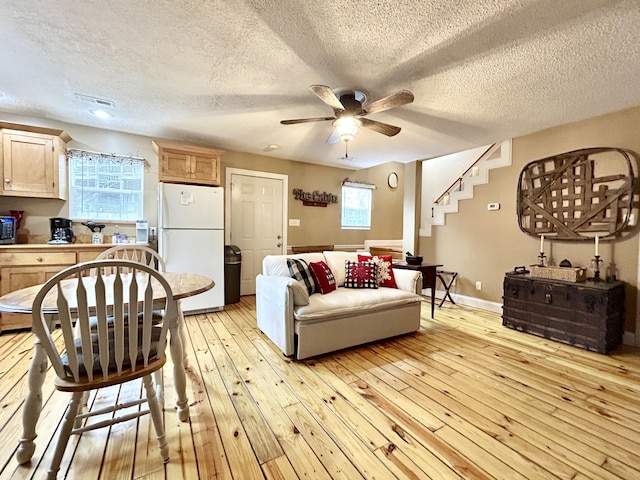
{"x": 361, "y": 275}
{"x": 348, "y": 301}
{"x": 335, "y": 260}
{"x": 299, "y": 269}
{"x": 325, "y": 282}
{"x": 277, "y": 264}
{"x": 385, "y": 275}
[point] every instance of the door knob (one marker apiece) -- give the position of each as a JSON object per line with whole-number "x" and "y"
{"x": 279, "y": 237}
{"x": 278, "y": 245}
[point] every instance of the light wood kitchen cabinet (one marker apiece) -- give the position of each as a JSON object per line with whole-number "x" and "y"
{"x": 23, "y": 266}
{"x": 178, "y": 163}
{"x": 33, "y": 161}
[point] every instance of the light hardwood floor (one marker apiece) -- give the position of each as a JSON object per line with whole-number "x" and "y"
{"x": 462, "y": 398}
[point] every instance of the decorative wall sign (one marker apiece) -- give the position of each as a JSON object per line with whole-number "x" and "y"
{"x": 577, "y": 195}
{"x": 315, "y": 198}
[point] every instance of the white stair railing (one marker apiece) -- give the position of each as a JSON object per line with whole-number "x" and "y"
{"x": 496, "y": 156}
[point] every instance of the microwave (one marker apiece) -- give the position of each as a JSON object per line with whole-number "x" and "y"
{"x": 7, "y": 230}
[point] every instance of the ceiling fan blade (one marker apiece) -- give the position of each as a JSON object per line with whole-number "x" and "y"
{"x": 306, "y": 120}
{"x": 325, "y": 94}
{"x": 383, "y": 128}
{"x": 394, "y": 100}
{"x": 334, "y": 137}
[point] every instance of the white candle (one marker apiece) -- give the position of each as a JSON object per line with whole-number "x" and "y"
{"x": 597, "y": 241}
{"x": 541, "y": 243}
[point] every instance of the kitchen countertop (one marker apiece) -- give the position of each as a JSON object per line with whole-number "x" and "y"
{"x": 64, "y": 246}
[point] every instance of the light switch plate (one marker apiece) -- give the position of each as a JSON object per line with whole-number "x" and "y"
{"x": 493, "y": 206}
{"x": 294, "y": 222}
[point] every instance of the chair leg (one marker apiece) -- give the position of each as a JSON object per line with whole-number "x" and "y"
{"x": 156, "y": 416}
{"x": 183, "y": 333}
{"x": 158, "y": 378}
{"x": 179, "y": 375}
{"x": 84, "y": 407}
{"x": 65, "y": 432}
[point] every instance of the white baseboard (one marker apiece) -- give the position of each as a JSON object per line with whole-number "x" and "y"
{"x": 467, "y": 301}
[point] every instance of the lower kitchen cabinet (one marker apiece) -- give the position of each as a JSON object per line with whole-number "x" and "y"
{"x": 23, "y": 266}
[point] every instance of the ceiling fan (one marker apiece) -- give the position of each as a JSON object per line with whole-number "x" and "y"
{"x": 350, "y": 109}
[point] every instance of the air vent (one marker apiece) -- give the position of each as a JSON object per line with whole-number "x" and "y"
{"x": 95, "y": 100}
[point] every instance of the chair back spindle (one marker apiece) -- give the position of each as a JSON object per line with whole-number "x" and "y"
{"x": 105, "y": 334}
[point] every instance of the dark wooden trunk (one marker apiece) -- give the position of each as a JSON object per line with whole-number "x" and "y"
{"x": 587, "y": 314}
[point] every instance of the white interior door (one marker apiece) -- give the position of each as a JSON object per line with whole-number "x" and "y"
{"x": 256, "y": 221}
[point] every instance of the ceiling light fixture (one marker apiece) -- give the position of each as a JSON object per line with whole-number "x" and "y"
{"x": 347, "y": 127}
{"x": 101, "y": 114}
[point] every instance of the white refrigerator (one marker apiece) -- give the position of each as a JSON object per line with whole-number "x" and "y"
{"x": 191, "y": 238}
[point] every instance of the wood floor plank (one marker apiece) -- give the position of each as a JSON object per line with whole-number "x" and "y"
{"x": 462, "y": 398}
{"x": 279, "y": 468}
{"x": 263, "y": 441}
{"x": 332, "y": 457}
{"x": 236, "y": 444}
{"x": 209, "y": 451}
{"x": 272, "y": 394}
{"x": 559, "y": 395}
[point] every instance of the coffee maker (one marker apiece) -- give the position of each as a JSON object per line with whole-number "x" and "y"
{"x": 61, "y": 231}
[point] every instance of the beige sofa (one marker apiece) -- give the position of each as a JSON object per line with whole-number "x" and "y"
{"x": 342, "y": 318}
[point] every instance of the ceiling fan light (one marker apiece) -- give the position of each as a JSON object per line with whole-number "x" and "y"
{"x": 347, "y": 127}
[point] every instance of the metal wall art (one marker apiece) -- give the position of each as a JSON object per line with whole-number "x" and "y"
{"x": 577, "y": 195}
{"x": 314, "y": 199}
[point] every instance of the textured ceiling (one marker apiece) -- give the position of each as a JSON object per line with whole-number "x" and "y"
{"x": 224, "y": 73}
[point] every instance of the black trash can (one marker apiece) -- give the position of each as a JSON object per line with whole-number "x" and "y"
{"x": 232, "y": 265}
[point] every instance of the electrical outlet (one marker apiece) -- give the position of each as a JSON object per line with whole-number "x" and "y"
{"x": 152, "y": 231}
{"x": 478, "y": 285}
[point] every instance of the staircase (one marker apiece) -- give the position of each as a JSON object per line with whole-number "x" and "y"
{"x": 499, "y": 155}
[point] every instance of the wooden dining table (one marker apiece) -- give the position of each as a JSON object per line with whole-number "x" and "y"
{"x": 183, "y": 285}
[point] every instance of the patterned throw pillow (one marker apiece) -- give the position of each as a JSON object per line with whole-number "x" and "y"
{"x": 361, "y": 275}
{"x": 385, "y": 270}
{"x": 299, "y": 269}
{"x": 325, "y": 282}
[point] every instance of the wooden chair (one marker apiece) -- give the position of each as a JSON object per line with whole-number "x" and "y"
{"x": 145, "y": 256}
{"x": 134, "y": 253}
{"x": 88, "y": 359}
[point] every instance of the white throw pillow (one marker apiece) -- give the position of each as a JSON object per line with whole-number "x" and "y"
{"x": 335, "y": 260}
{"x": 300, "y": 292}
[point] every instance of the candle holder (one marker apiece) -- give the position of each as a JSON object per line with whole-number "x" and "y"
{"x": 596, "y": 268}
{"x": 541, "y": 258}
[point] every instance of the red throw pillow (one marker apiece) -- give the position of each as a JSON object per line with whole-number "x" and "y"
{"x": 325, "y": 281}
{"x": 385, "y": 271}
{"x": 360, "y": 275}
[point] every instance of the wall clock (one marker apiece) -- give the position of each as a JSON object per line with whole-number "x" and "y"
{"x": 392, "y": 180}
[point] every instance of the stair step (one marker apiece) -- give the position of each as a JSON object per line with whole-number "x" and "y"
{"x": 497, "y": 157}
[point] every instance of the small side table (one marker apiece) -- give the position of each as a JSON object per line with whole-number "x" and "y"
{"x": 447, "y": 285}
{"x": 429, "y": 273}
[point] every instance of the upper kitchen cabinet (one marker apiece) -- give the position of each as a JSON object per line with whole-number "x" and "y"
{"x": 33, "y": 161}
{"x": 178, "y": 163}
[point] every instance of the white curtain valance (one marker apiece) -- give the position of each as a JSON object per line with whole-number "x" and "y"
{"x": 348, "y": 183}
{"x": 96, "y": 156}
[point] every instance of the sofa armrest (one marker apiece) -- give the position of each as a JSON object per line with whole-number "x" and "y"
{"x": 409, "y": 280}
{"x": 274, "y": 310}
